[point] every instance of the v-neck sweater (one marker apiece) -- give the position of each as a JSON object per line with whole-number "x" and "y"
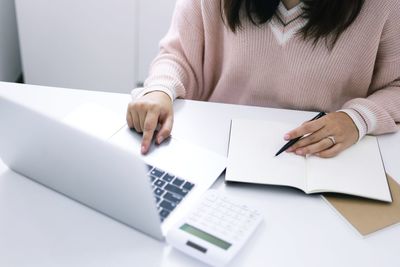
{"x": 271, "y": 65}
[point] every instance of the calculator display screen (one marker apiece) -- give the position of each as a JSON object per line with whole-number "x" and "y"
{"x": 205, "y": 236}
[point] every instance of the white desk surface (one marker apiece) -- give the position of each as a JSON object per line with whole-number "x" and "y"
{"x": 39, "y": 227}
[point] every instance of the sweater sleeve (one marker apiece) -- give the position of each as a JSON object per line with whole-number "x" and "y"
{"x": 177, "y": 69}
{"x": 379, "y": 112}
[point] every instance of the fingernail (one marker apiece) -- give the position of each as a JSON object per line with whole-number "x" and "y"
{"x": 143, "y": 149}
{"x": 290, "y": 149}
{"x": 287, "y": 137}
{"x": 299, "y": 152}
{"x": 160, "y": 140}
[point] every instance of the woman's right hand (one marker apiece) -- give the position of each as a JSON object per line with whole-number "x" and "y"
{"x": 146, "y": 113}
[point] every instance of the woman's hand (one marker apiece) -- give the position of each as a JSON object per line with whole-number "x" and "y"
{"x": 325, "y": 137}
{"x": 146, "y": 113}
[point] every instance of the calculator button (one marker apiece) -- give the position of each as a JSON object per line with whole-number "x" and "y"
{"x": 252, "y": 215}
{"x": 213, "y": 214}
{"x": 236, "y": 238}
{"x": 229, "y": 213}
{"x": 201, "y": 209}
{"x": 207, "y": 203}
{"x": 211, "y": 197}
{"x": 233, "y": 223}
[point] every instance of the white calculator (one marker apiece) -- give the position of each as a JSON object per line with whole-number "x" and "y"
{"x": 215, "y": 230}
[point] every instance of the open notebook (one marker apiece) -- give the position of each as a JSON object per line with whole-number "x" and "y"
{"x": 356, "y": 171}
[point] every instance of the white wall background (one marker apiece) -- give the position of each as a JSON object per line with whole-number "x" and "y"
{"x": 102, "y": 45}
{"x": 10, "y": 64}
{"x": 154, "y": 21}
{"x": 84, "y": 44}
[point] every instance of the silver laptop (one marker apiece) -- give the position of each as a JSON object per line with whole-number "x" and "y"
{"x": 149, "y": 193}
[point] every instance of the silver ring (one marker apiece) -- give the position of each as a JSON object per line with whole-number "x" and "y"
{"x": 332, "y": 140}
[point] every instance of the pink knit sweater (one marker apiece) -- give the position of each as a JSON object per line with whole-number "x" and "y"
{"x": 272, "y": 66}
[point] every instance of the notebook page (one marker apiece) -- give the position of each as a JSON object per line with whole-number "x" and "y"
{"x": 357, "y": 171}
{"x": 251, "y": 157}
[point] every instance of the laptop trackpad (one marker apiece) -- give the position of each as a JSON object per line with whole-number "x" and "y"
{"x": 176, "y": 156}
{"x": 95, "y": 120}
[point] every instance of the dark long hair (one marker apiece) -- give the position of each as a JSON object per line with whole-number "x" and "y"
{"x": 325, "y": 18}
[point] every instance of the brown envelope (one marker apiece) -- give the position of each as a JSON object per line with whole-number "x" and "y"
{"x": 366, "y": 215}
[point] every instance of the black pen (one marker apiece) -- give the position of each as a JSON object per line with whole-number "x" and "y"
{"x": 293, "y": 141}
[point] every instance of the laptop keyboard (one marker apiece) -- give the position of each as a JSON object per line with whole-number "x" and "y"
{"x": 169, "y": 190}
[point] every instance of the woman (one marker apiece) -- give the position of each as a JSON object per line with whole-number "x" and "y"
{"x": 337, "y": 56}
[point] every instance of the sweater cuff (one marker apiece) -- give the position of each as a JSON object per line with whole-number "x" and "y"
{"x": 141, "y": 91}
{"x": 358, "y": 121}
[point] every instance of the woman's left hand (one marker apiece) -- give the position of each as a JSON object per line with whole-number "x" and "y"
{"x": 325, "y": 137}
